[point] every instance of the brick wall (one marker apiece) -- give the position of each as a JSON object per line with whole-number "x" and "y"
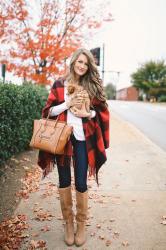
{"x": 127, "y": 94}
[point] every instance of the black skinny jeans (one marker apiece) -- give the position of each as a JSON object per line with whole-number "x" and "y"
{"x": 80, "y": 169}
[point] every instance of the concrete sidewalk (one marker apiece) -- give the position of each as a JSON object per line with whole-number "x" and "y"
{"x": 125, "y": 211}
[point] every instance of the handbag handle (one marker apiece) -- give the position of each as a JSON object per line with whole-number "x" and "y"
{"x": 49, "y": 115}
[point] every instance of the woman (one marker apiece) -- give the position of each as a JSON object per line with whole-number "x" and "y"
{"x": 88, "y": 142}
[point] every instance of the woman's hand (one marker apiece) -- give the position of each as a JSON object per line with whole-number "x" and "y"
{"x": 80, "y": 113}
{"x": 72, "y": 101}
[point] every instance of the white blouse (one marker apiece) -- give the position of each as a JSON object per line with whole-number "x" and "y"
{"x": 72, "y": 120}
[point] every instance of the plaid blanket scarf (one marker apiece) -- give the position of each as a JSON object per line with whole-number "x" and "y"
{"x": 96, "y": 134}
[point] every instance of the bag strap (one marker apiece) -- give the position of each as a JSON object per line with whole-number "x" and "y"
{"x": 49, "y": 115}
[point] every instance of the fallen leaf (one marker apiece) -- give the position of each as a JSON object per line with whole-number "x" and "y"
{"x": 92, "y": 234}
{"x": 25, "y": 167}
{"x": 35, "y": 244}
{"x": 116, "y": 233}
{"x": 15, "y": 160}
{"x": 163, "y": 222}
{"x": 108, "y": 243}
{"x": 60, "y": 217}
{"x": 125, "y": 243}
{"x": 45, "y": 228}
{"x": 24, "y": 235}
{"x": 35, "y": 234}
{"x": 12, "y": 231}
{"x": 112, "y": 220}
{"x": 26, "y": 159}
{"x": 101, "y": 237}
{"x": 42, "y": 243}
{"x": 44, "y": 215}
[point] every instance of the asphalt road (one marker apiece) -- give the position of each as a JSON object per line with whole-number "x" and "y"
{"x": 148, "y": 117}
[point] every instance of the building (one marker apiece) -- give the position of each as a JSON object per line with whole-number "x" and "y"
{"x": 127, "y": 94}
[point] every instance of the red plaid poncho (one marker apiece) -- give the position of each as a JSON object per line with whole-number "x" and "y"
{"x": 96, "y": 134}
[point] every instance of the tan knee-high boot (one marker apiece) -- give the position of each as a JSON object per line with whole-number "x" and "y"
{"x": 66, "y": 207}
{"x": 81, "y": 216}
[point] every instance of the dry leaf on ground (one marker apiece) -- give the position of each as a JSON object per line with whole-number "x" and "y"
{"x": 12, "y": 232}
{"x": 125, "y": 243}
{"x": 108, "y": 243}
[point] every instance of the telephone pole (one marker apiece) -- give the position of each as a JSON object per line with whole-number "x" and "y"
{"x": 3, "y": 72}
{"x": 103, "y": 63}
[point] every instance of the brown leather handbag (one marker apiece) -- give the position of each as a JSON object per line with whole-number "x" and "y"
{"x": 50, "y": 135}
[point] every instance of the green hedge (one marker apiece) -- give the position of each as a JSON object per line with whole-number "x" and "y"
{"x": 19, "y": 106}
{"x": 162, "y": 98}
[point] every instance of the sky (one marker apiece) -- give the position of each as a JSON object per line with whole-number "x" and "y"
{"x": 136, "y": 36}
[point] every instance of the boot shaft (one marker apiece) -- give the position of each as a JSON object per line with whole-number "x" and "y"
{"x": 66, "y": 203}
{"x": 81, "y": 206}
{"x": 66, "y": 207}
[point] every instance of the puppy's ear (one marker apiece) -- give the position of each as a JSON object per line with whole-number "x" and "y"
{"x": 71, "y": 89}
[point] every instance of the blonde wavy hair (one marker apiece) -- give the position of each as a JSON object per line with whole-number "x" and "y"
{"x": 91, "y": 81}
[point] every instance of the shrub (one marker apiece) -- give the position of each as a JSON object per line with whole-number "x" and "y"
{"x": 162, "y": 98}
{"x": 19, "y": 106}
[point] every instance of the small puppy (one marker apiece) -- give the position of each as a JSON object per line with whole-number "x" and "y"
{"x": 74, "y": 91}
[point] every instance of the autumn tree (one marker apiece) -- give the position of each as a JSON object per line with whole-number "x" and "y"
{"x": 38, "y": 36}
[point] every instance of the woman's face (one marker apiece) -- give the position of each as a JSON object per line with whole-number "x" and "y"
{"x": 81, "y": 65}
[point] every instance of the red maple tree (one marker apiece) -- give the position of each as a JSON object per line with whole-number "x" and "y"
{"x": 38, "y": 38}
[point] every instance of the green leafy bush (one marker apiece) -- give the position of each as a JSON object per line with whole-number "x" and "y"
{"x": 19, "y": 106}
{"x": 162, "y": 98}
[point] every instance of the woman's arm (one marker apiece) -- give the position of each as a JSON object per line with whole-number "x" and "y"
{"x": 56, "y": 110}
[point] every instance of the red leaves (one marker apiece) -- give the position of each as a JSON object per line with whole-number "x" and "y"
{"x": 44, "y": 215}
{"x": 55, "y": 35}
{"x": 37, "y": 244}
{"x": 30, "y": 183}
{"x": 11, "y": 232}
